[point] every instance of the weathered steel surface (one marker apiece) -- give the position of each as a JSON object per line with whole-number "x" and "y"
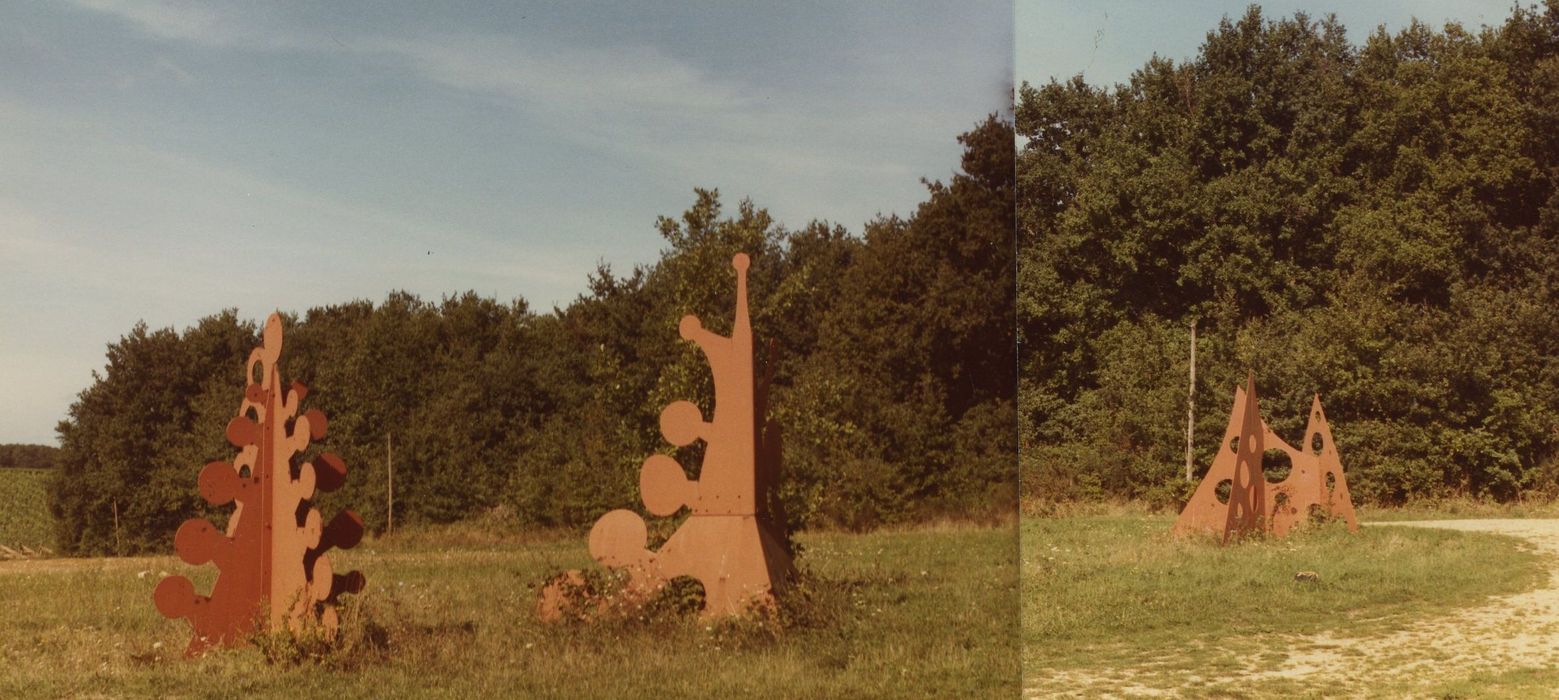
{"x": 273, "y": 570}
{"x": 733, "y": 540}
{"x": 1315, "y": 484}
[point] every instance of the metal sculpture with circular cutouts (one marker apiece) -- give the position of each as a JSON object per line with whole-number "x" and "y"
{"x": 1235, "y": 498}
{"x": 733, "y": 539}
{"x": 273, "y": 572}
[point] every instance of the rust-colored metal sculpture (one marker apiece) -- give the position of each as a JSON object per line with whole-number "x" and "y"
{"x": 273, "y": 568}
{"x": 1315, "y": 483}
{"x": 733, "y": 541}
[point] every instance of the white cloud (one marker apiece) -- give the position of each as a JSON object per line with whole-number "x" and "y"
{"x": 540, "y": 75}
{"x": 167, "y": 19}
{"x": 125, "y": 219}
{"x": 163, "y": 68}
{"x": 633, "y": 100}
{"x": 624, "y": 78}
{"x": 104, "y": 234}
{"x": 98, "y": 229}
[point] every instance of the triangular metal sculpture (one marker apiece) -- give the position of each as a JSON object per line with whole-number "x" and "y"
{"x": 273, "y": 568}
{"x": 733, "y": 541}
{"x": 1315, "y": 483}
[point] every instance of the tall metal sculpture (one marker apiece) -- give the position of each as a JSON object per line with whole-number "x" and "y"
{"x": 1315, "y": 483}
{"x": 273, "y": 568}
{"x": 733, "y": 541}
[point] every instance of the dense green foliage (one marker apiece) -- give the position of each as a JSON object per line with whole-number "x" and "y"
{"x": 1378, "y": 223}
{"x": 895, "y": 379}
{"x": 28, "y": 456}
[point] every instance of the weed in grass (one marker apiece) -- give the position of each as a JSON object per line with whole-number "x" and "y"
{"x": 606, "y": 597}
{"x": 308, "y": 643}
{"x": 600, "y": 604}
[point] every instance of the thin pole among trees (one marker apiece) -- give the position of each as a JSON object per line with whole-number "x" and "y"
{"x": 389, "y": 483}
{"x": 1190, "y": 407}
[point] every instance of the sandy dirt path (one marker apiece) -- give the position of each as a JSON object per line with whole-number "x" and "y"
{"x": 1504, "y": 633}
{"x": 1507, "y": 632}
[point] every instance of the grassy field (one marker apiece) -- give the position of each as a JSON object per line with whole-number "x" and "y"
{"x": 1454, "y": 508}
{"x": 917, "y": 613}
{"x": 1103, "y": 594}
{"x": 1521, "y": 684}
{"x": 1461, "y": 509}
{"x": 24, "y": 517}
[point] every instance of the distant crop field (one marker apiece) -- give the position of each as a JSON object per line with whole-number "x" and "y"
{"x": 24, "y": 514}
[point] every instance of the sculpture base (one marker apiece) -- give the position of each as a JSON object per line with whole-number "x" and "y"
{"x": 736, "y": 557}
{"x": 739, "y": 560}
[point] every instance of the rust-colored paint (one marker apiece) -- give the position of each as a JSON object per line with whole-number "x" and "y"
{"x": 732, "y": 541}
{"x": 1315, "y": 481}
{"x": 271, "y": 558}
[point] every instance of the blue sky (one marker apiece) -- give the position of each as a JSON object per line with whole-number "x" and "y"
{"x": 1107, "y": 40}
{"x": 166, "y": 160}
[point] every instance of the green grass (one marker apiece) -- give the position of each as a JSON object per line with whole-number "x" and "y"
{"x": 916, "y": 613}
{"x": 1107, "y": 592}
{"x": 24, "y": 515}
{"x": 1461, "y": 509}
{"x": 1521, "y": 684}
{"x": 1452, "y": 508}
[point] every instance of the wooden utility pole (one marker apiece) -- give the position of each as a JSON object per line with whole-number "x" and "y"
{"x": 1190, "y": 407}
{"x": 389, "y": 483}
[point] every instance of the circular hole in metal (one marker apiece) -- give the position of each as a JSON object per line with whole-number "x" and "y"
{"x": 1276, "y": 465}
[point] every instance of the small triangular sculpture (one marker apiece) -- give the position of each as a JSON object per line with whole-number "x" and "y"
{"x": 1315, "y": 483}
{"x": 273, "y": 572}
{"x": 733, "y": 540}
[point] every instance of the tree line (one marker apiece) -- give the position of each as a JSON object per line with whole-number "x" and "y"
{"x": 894, "y": 379}
{"x": 1377, "y": 223}
{"x": 19, "y": 456}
